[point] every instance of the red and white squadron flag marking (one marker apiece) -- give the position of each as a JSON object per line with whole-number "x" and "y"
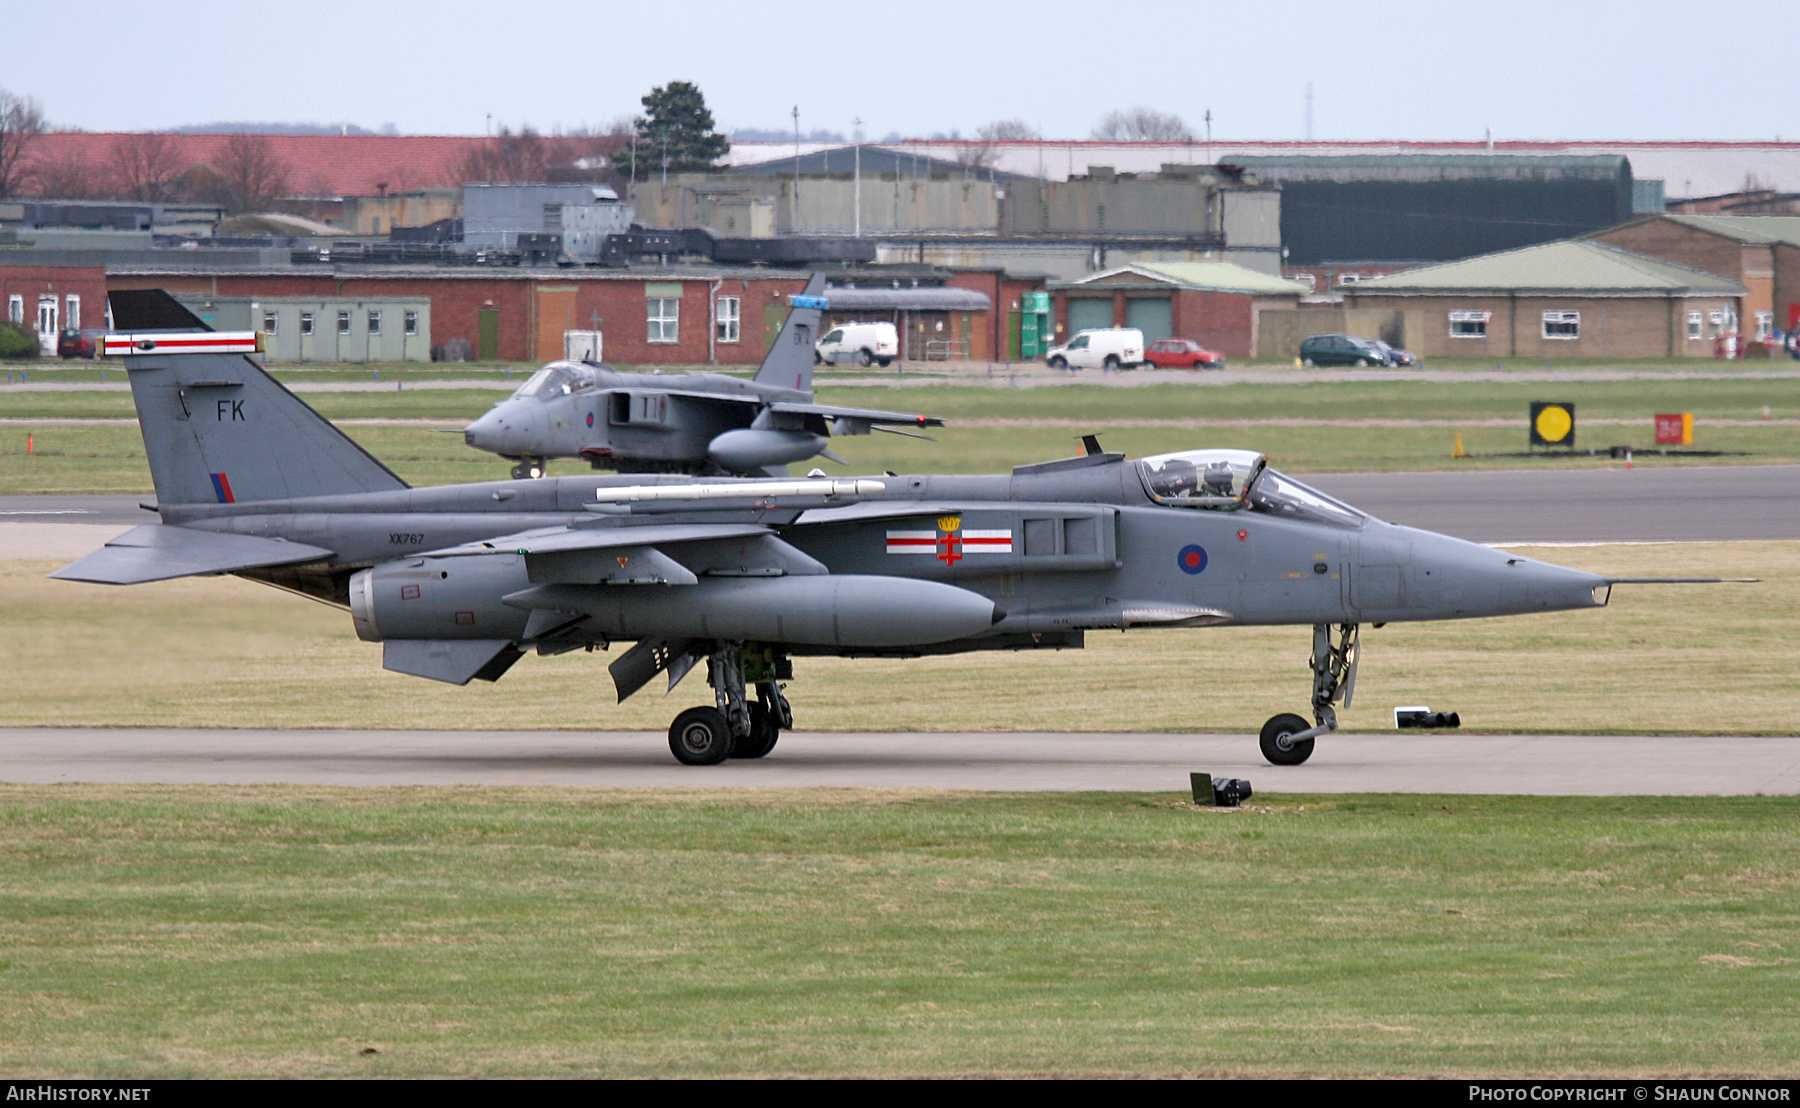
{"x": 950, "y": 543}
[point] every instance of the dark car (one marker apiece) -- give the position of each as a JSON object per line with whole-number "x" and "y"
{"x": 1182, "y": 354}
{"x": 77, "y": 344}
{"x": 1340, "y": 350}
{"x": 1397, "y": 356}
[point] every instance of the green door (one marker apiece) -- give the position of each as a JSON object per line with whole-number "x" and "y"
{"x": 1087, "y": 313}
{"x": 1152, "y": 315}
{"x": 490, "y": 335}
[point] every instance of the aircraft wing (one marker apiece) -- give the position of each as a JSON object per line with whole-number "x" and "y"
{"x": 865, "y": 416}
{"x": 563, "y": 540}
{"x": 157, "y": 552}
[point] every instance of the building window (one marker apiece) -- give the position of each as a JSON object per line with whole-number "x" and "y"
{"x": 1469, "y": 325}
{"x": 664, "y": 316}
{"x": 411, "y": 322}
{"x": 343, "y": 323}
{"x": 306, "y": 321}
{"x": 374, "y": 322}
{"x": 1562, "y": 325}
{"x": 15, "y": 309}
{"x": 730, "y": 312}
{"x": 72, "y": 312}
{"x": 271, "y": 323}
{"x": 1696, "y": 325}
{"x": 1716, "y": 318}
{"x": 1765, "y": 326}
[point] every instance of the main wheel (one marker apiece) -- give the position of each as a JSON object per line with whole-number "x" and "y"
{"x": 700, "y": 737}
{"x": 1058, "y": 363}
{"x": 763, "y": 733}
{"x": 864, "y": 358}
{"x": 1278, "y": 748}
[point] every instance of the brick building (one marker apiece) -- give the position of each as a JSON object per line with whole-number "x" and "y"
{"x": 1214, "y": 303}
{"x": 1558, "y": 300}
{"x": 1761, "y": 252}
{"x": 46, "y": 299}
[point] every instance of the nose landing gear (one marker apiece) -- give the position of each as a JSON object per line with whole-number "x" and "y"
{"x": 1286, "y": 740}
{"x": 528, "y": 468}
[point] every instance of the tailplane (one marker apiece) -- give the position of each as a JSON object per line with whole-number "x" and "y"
{"x": 218, "y": 429}
{"x": 789, "y": 363}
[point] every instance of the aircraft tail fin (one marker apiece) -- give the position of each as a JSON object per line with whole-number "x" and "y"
{"x": 218, "y": 429}
{"x": 789, "y": 363}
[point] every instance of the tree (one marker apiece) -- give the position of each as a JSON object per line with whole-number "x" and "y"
{"x": 1142, "y": 124}
{"x": 521, "y": 157}
{"x": 675, "y": 133}
{"x": 71, "y": 177}
{"x": 250, "y": 175}
{"x": 145, "y": 165}
{"x": 1007, "y": 130}
{"x": 21, "y": 122}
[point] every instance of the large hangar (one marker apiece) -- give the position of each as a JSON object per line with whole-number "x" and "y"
{"x": 1436, "y": 207}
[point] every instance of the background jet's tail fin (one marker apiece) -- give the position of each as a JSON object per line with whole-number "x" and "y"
{"x": 218, "y": 429}
{"x": 789, "y": 363}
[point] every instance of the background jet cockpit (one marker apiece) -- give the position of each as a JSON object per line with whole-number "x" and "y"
{"x": 558, "y": 379}
{"x": 1231, "y": 480}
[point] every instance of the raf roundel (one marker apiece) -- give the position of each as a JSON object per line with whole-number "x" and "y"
{"x": 1192, "y": 559}
{"x": 590, "y": 419}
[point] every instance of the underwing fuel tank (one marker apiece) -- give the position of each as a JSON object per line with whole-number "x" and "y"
{"x": 489, "y": 597}
{"x": 750, "y": 449}
{"x": 836, "y": 610}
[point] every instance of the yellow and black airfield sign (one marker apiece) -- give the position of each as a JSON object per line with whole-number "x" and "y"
{"x": 1552, "y": 423}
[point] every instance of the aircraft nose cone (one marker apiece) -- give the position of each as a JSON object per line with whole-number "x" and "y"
{"x": 484, "y": 433}
{"x": 1480, "y": 580}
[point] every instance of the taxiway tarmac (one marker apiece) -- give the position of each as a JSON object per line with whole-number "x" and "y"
{"x": 1551, "y": 765}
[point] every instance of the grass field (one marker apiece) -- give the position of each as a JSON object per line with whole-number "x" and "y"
{"x": 1324, "y": 427}
{"x": 288, "y": 931}
{"x": 221, "y": 652}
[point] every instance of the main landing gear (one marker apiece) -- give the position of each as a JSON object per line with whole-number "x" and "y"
{"x": 736, "y": 727}
{"x": 1286, "y": 740}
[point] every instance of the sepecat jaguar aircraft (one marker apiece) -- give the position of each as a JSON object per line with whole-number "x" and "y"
{"x": 696, "y": 423}
{"x": 747, "y": 574}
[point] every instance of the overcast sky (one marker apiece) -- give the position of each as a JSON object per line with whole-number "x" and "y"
{"x": 1384, "y": 70}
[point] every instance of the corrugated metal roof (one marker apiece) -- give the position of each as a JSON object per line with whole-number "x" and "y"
{"x": 1570, "y": 267}
{"x": 1434, "y": 167}
{"x": 1759, "y": 229}
{"x": 1204, "y": 276}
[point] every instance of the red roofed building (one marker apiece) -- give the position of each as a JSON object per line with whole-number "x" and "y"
{"x": 316, "y": 165}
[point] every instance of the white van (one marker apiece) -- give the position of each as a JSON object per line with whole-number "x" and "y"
{"x": 866, "y": 343}
{"x": 1105, "y": 348}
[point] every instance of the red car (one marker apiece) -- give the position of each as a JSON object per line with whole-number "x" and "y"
{"x": 1182, "y": 354}
{"x": 78, "y": 344}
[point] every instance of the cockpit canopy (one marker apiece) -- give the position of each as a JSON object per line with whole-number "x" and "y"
{"x": 558, "y": 379}
{"x": 1238, "y": 480}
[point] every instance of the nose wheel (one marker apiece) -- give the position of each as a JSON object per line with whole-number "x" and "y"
{"x": 528, "y": 468}
{"x": 1286, "y": 740}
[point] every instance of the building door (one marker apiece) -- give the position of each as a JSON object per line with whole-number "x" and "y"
{"x": 1087, "y": 313}
{"x": 1152, "y": 315}
{"x": 489, "y": 326}
{"x": 46, "y": 326}
{"x": 555, "y": 315}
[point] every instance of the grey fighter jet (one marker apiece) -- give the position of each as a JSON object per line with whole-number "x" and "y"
{"x": 459, "y": 582}
{"x": 699, "y": 423}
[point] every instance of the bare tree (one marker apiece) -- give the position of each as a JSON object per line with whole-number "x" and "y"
{"x": 70, "y": 177}
{"x": 250, "y": 174}
{"x": 517, "y": 158}
{"x": 1142, "y": 124}
{"x": 145, "y": 166}
{"x": 21, "y": 122}
{"x": 1007, "y": 130}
